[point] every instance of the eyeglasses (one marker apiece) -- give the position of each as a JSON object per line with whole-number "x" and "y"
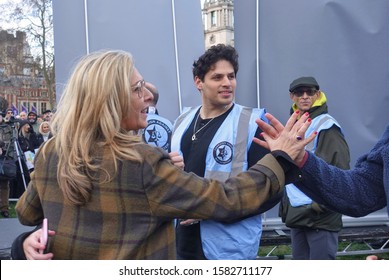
{"x": 300, "y": 92}
{"x": 139, "y": 88}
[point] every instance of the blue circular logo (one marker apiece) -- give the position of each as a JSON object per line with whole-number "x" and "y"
{"x": 157, "y": 134}
{"x": 223, "y": 152}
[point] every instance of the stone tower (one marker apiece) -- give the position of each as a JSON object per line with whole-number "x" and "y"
{"x": 218, "y": 19}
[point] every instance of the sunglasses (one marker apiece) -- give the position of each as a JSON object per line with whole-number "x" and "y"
{"x": 300, "y": 92}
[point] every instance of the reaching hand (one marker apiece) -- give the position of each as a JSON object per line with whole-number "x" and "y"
{"x": 32, "y": 245}
{"x": 289, "y": 139}
{"x": 177, "y": 159}
{"x": 189, "y": 222}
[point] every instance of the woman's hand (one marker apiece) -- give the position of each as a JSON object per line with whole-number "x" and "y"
{"x": 189, "y": 222}
{"x": 32, "y": 245}
{"x": 289, "y": 139}
{"x": 177, "y": 159}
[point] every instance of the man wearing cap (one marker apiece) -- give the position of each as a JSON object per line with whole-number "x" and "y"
{"x": 314, "y": 228}
{"x": 46, "y": 115}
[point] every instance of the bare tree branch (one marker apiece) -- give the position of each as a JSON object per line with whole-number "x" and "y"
{"x": 35, "y": 18}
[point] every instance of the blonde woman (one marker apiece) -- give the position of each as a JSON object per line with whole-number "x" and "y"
{"x": 45, "y": 131}
{"x": 108, "y": 195}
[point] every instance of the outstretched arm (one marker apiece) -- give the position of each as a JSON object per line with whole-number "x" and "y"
{"x": 356, "y": 192}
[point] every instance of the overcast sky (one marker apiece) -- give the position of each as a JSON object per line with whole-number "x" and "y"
{"x": 3, "y": 24}
{"x": 6, "y": 26}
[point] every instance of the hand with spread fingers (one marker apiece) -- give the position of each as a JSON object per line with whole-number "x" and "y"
{"x": 289, "y": 139}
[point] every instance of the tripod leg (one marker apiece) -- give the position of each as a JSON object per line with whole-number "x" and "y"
{"x": 19, "y": 153}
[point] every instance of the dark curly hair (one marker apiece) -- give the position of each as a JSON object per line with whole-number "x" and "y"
{"x": 213, "y": 55}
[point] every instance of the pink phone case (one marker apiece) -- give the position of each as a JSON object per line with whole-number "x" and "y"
{"x": 45, "y": 234}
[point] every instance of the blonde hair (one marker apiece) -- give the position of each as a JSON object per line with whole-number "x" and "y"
{"x": 88, "y": 120}
{"x": 41, "y": 127}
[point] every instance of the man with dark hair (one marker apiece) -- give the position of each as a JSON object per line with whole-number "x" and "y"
{"x": 215, "y": 140}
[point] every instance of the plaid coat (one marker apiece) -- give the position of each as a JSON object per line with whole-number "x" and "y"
{"x": 131, "y": 217}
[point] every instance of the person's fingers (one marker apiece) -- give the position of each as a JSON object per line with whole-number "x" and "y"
{"x": 303, "y": 119}
{"x": 265, "y": 127}
{"x": 310, "y": 138}
{"x": 291, "y": 123}
{"x": 173, "y": 154}
{"x": 301, "y": 127}
{"x": 290, "y": 138}
{"x": 32, "y": 253}
{"x": 37, "y": 256}
{"x": 261, "y": 142}
{"x": 178, "y": 161}
{"x": 189, "y": 222}
{"x": 275, "y": 123}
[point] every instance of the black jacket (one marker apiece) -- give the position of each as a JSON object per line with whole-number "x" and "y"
{"x": 30, "y": 141}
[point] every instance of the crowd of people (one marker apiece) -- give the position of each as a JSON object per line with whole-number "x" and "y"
{"x": 25, "y": 132}
{"x": 109, "y": 195}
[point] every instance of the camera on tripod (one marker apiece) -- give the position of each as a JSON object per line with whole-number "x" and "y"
{"x": 13, "y": 154}
{"x": 13, "y": 146}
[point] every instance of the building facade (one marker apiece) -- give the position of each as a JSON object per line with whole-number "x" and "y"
{"x": 218, "y": 20}
{"x": 21, "y": 84}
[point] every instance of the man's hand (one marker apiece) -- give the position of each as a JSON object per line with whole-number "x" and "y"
{"x": 177, "y": 159}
